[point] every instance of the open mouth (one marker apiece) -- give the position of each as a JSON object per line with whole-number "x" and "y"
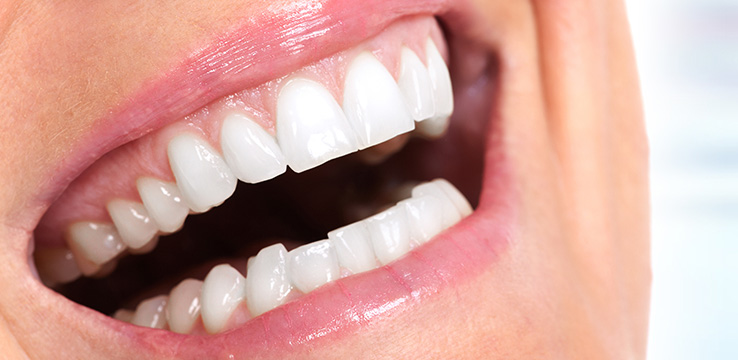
{"x": 305, "y": 204}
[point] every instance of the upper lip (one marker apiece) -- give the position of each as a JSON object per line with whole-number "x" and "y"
{"x": 239, "y": 59}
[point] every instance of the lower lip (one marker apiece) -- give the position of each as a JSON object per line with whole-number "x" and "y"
{"x": 349, "y": 304}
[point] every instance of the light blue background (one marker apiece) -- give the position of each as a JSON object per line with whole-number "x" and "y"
{"x": 687, "y": 52}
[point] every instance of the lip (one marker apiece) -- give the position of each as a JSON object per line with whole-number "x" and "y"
{"x": 340, "y": 308}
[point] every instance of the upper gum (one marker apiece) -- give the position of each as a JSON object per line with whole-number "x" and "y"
{"x": 146, "y": 156}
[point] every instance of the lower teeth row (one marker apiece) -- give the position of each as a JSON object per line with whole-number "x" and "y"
{"x": 226, "y": 299}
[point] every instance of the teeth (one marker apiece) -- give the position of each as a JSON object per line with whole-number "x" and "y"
{"x": 150, "y": 313}
{"x": 267, "y": 283}
{"x": 425, "y": 217}
{"x": 202, "y": 175}
{"x": 149, "y": 247}
{"x": 373, "y": 102}
{"x": 164, "y": 203}
{"x": 133, "y": 223}
{"x": 95, "y": 242}
{"x": 353, "y": 247}
{"x": 124, "y": 315}
{"x": 311, "y": 127}
{"x": 451, "y": 213}
{"x": 390, "y": 234}
{"x": 184, "y": 304}
{"x": 56, "y": 265}
{"x": 313, "y": 265}
{"x": 456, "y": 197}
{"x": 222, "y": 292}
{"x": 415, "y": 84}
{"x": 440, "y": 80}
{"x": 251, "y": 152}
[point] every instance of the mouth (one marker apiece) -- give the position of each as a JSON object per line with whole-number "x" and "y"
{"x": 294, "y": 201}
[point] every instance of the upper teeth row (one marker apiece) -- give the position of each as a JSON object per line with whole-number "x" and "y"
{"x": 275, "y": 275}
{"x": 311, "y": 128}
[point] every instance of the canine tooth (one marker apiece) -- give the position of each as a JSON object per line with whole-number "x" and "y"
{"x": 353, "y": 247}
{"x": 164, "y": 203}
{"x": 267, "y": 282}
{"x": 249, "y": 150}
{"x": 313, "y": 265}
{"x": 150, "y": 313}
{"x": 415, "y": 85}
{"x": 202, "y": 175}
{"x": 222, "y": 292}
{"x": 124, "y": 315}
{"x": 390, "y": 234}
{"x": 441, "y": 81}
{"x": 425, "y": 217}
{"x": 459, "y": 200}
{"x": 56, "y": 265}
{"x": 183, "y": 307}
{"x": 132, "y": 221}
{"x": 451, "y": 215}
{"x": 311, "y": 127}
{"x": 373, "y": 102}
{"x": 96, "y": 242}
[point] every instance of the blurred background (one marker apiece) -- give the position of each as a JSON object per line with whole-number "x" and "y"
{"x": 687, "y": 52}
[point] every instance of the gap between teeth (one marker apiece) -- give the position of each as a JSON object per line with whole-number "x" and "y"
{"x": 311, "y": 128}
{"x": 226, "y": 298}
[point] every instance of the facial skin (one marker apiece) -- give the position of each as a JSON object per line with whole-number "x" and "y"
{"x": 574, "y": 285}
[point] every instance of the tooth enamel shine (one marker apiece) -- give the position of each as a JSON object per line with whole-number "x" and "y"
{"x": 222, "y": 292}
{"x": 313, "y": 265}
{"x": 164, "y": 203}
{"x": 249, "y": 150}
{"x": 267, "y": 281}
{"x": 96, "y": 242}
{"x": 415, "y": 84}
{"x": 132, "y": 221}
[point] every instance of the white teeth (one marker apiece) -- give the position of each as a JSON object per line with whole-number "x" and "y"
{"x": 223, "y": 291}
{"x": 441, "y": 81}
{"x": 124, "y": 315}
{"x": 451, "y": 214}
{"x": 354, "y": 248}
{"x": 132, "y": 221}
{"x": 184, "y": 304}
{"x": 415, "y": 84}
{"x": 150, "y": 313}
{"x": 96, "y": 242}
{"x": 373, "y": 102}
{"x": 202, "y": 175}
{"x": 311, "y": 127}
{"x": 459, "y": 200}
{"x": 313, "y": 265}
{"x": 267, "y": 283}
{"x": 164, "y": 203}
{"x": 251, "y": 152}
{"x": 390, "y": 234}
{"x": 425, "y": 217}
{"x": 56, "y": 265}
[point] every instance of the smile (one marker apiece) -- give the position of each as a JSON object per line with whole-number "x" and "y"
{"x": 342, "y": 170}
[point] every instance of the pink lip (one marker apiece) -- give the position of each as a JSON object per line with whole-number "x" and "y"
{"x": 262, "y": 49}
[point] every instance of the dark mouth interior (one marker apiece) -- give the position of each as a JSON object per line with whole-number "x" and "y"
{"x": 299, "y": 208}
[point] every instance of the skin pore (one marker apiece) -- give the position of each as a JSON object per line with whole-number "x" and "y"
{"x": 574, "y": 283}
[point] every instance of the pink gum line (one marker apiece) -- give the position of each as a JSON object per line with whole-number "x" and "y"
{"x": 114, "y": 175}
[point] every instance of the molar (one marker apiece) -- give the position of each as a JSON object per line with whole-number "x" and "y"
{"x": 150, "y": 313}
{"x": 251, "y": 152}
{"x": 202, "y": 175}
{"x": 56, "y": 265}
{"x": 373, "y": 102}
{"x": 311, "y": 127}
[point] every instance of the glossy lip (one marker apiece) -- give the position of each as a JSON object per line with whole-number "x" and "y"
{"x": 344, "y": 306}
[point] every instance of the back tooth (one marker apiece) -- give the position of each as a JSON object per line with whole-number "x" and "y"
{"x": 202, "y": 175}
{"x": 415, "y": 85}
{"x": 353, "y": 247}
{"x": 132, "y": 221}
{"x": 222, "y": 292}
{"x": 251, "y": 152}
{"x": 149, "y": 247}
{"x": 313, "y": 265}
{"x": 390, "y": 234}
{"x": 441, "y": 81}
{"x": 150, "y": 313}
{"x": 425, "y": 217}
{"x": 267, "y": 282}
{"x": 451, "y": 215}
{"x": 184, "y": 304}
{"x": 56, "y": 265}
{"x": 373, "y": 102}
{"x": 456, "y": 197}
{"x": 96, "y": 242}
{"x": 124, "y": 315}
{"x": 164, "y": 203}
{"x": 311, "y": 127}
